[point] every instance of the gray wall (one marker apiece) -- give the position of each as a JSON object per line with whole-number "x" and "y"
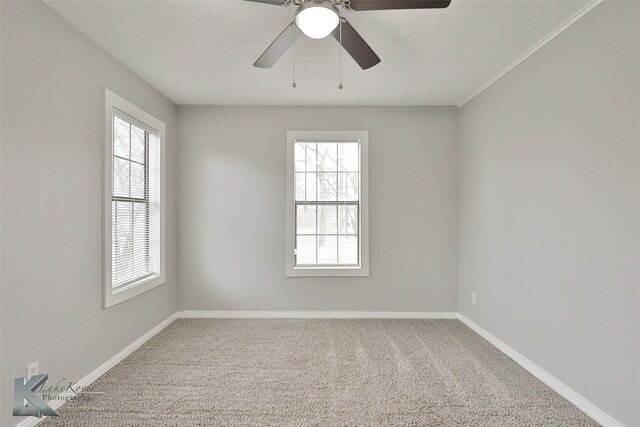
{"x": 550, "y": 208}
{"x": 232, "y": 194}
{"x": 52, "y": 145}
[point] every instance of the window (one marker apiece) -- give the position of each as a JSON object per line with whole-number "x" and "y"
{"x": 133, "y": 214}
{"x": 327, "y": 204}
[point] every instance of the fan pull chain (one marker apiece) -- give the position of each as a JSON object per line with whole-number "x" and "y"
{"x": 340, "y": 53}
{"x": 293, "y": 84}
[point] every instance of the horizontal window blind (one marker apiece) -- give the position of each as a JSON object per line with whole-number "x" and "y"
{"x": 135, "y": 203}
{"x": 327, "y": 204}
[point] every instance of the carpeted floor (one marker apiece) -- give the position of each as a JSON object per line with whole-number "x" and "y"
{"x": 285, "y": 372}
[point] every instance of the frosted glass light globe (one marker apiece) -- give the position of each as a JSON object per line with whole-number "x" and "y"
{"x": 317, "y": 20}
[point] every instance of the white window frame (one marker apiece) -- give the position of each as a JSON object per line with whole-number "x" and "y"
{"x": 146, "y": 121}
{"x": 338, "y": 136}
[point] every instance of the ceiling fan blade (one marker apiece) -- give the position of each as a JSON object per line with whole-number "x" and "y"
{"x": 355, "y": 45}
{"x": 397, "y": 4}
{"x": 273, "y": 2}
{"x": 278, "y": 47}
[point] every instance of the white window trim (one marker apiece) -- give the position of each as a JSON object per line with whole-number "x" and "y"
{"x": 114, "y": 102}
{"x": 363, "y": 269}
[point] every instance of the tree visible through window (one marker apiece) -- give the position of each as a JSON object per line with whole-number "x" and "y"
{"x": 327, "y": 204}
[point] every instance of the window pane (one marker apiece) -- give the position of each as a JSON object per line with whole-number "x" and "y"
{"x": 121, "y": 174}
{"x": 130, "y": 242}
{"x": 311, "y": 157}
{"x": 139, "y": 237}
{"x": 306, "y": 250}
{"x": 327, "y": 250}
{"x": 305, "y": 156}
{"x": 347, "y": 219}
{"x": 327, "y": 219}
{"x": 120, "y": 137}
{"x": 327, "y": 156}
{"x": 305, "y": 186}
{"x": 299, "y": 149}
{"x": 306, "y": 219}
{"x": 311, "y": 187}
{"x": 121, "y": 241}
{"x": 348, "y": 187}
{"x": 348, "y": 249}
{"x": 137, "y": 144}
{"x": 137, "y": 180}
{"x": 327, "y": 187}
{"x": 300, "y": 195}
{"x": 349, "y": 156}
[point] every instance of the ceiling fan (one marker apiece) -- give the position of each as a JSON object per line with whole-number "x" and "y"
{"x": 319, "y": 18}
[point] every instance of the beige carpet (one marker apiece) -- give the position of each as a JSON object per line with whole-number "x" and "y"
{"x": 284, "y": 372}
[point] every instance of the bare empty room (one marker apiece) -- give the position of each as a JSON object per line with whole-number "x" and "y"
{"x": 320, "y": 213}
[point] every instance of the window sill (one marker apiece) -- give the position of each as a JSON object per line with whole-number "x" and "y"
{"x": 327, "y": 272}
{"x": 131, "y": 290}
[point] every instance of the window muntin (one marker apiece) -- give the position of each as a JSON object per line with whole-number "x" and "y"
{"x": 327, "y": 204}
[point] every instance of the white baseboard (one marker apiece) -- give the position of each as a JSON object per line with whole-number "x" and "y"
{"x": 561, "y": 388}
{"x": 221, "y": 314}
{"x": 96, "y": 373}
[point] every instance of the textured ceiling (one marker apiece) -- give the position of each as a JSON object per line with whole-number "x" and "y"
{"x": 201, "y": 52}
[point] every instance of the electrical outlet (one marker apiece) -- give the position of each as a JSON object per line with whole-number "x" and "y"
{"x": 31, "y": 370}
{"x": 473, "y": 297}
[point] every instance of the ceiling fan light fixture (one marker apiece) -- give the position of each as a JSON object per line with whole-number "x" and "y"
{"x": 317, "y": 19}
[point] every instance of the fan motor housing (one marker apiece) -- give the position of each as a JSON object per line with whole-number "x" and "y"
{"x": 318, "y": 3}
